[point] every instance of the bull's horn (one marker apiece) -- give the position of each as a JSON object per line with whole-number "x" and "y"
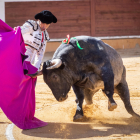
{"x": 56, "y": 63}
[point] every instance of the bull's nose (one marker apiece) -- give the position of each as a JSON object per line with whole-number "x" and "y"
{"x": 61, "y": 99}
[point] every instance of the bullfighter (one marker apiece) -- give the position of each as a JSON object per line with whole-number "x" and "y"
{"x": 35, "y": 36}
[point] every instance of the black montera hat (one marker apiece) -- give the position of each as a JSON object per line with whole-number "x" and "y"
{"x": 46, "y": 17}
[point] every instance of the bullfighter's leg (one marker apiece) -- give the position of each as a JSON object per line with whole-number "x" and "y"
{"x": 79, "y": 92}
{"x": 123, "y": 91}
{"x": 108, "y": 79}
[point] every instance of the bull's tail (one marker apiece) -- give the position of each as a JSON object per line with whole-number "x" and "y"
{"x": 123, "y": 91}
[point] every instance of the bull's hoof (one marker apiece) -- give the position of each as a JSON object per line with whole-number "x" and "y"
{"x": 111, "y": 106}
{"x": 77, "y": 118}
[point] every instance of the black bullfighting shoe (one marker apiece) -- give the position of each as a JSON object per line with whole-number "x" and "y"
{"x": 111, "y": 106}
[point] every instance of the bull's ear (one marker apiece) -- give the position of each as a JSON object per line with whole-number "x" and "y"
{"x": 63, "y": 65}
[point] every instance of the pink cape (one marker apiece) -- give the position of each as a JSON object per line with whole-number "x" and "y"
{"x": 17, "y": 90}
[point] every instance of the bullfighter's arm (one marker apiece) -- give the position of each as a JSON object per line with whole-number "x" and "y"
{"x": 40, "y": 53}
{"x": 39, "y": 57}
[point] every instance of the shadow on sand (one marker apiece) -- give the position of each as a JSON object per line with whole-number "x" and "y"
{"x": 86, "y": 129}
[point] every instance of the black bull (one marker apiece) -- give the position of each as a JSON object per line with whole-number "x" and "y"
{"x": 96, "y": 66}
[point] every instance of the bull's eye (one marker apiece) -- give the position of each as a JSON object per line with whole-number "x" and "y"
{"x": 55, "y": 76}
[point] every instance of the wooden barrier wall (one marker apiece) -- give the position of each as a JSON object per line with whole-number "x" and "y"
{"x": 117, "y": 17}
{"x": 73, "y": 16}
{"x": 81, "y": 17}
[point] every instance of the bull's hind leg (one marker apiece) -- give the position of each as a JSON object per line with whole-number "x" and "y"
{"x": 108, "y": 79}
{"x": 123, "y": 91}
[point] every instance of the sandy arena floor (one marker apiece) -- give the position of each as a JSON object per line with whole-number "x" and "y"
{"x": 99, "y": 123}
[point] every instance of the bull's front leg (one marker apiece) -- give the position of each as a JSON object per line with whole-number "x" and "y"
{"x": 79, "y": 92}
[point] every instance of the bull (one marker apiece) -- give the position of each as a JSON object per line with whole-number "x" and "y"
{"x": 94, "y": 66}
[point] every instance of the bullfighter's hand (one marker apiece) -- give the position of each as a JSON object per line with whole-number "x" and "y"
{"x": 35, "y": 74}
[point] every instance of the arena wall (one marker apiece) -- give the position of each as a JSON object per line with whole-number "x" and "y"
{"x": 114, "y": 21}
{"x": 98, "y": 18}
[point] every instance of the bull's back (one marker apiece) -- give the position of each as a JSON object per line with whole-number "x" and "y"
{"x": 113, "y": 57}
